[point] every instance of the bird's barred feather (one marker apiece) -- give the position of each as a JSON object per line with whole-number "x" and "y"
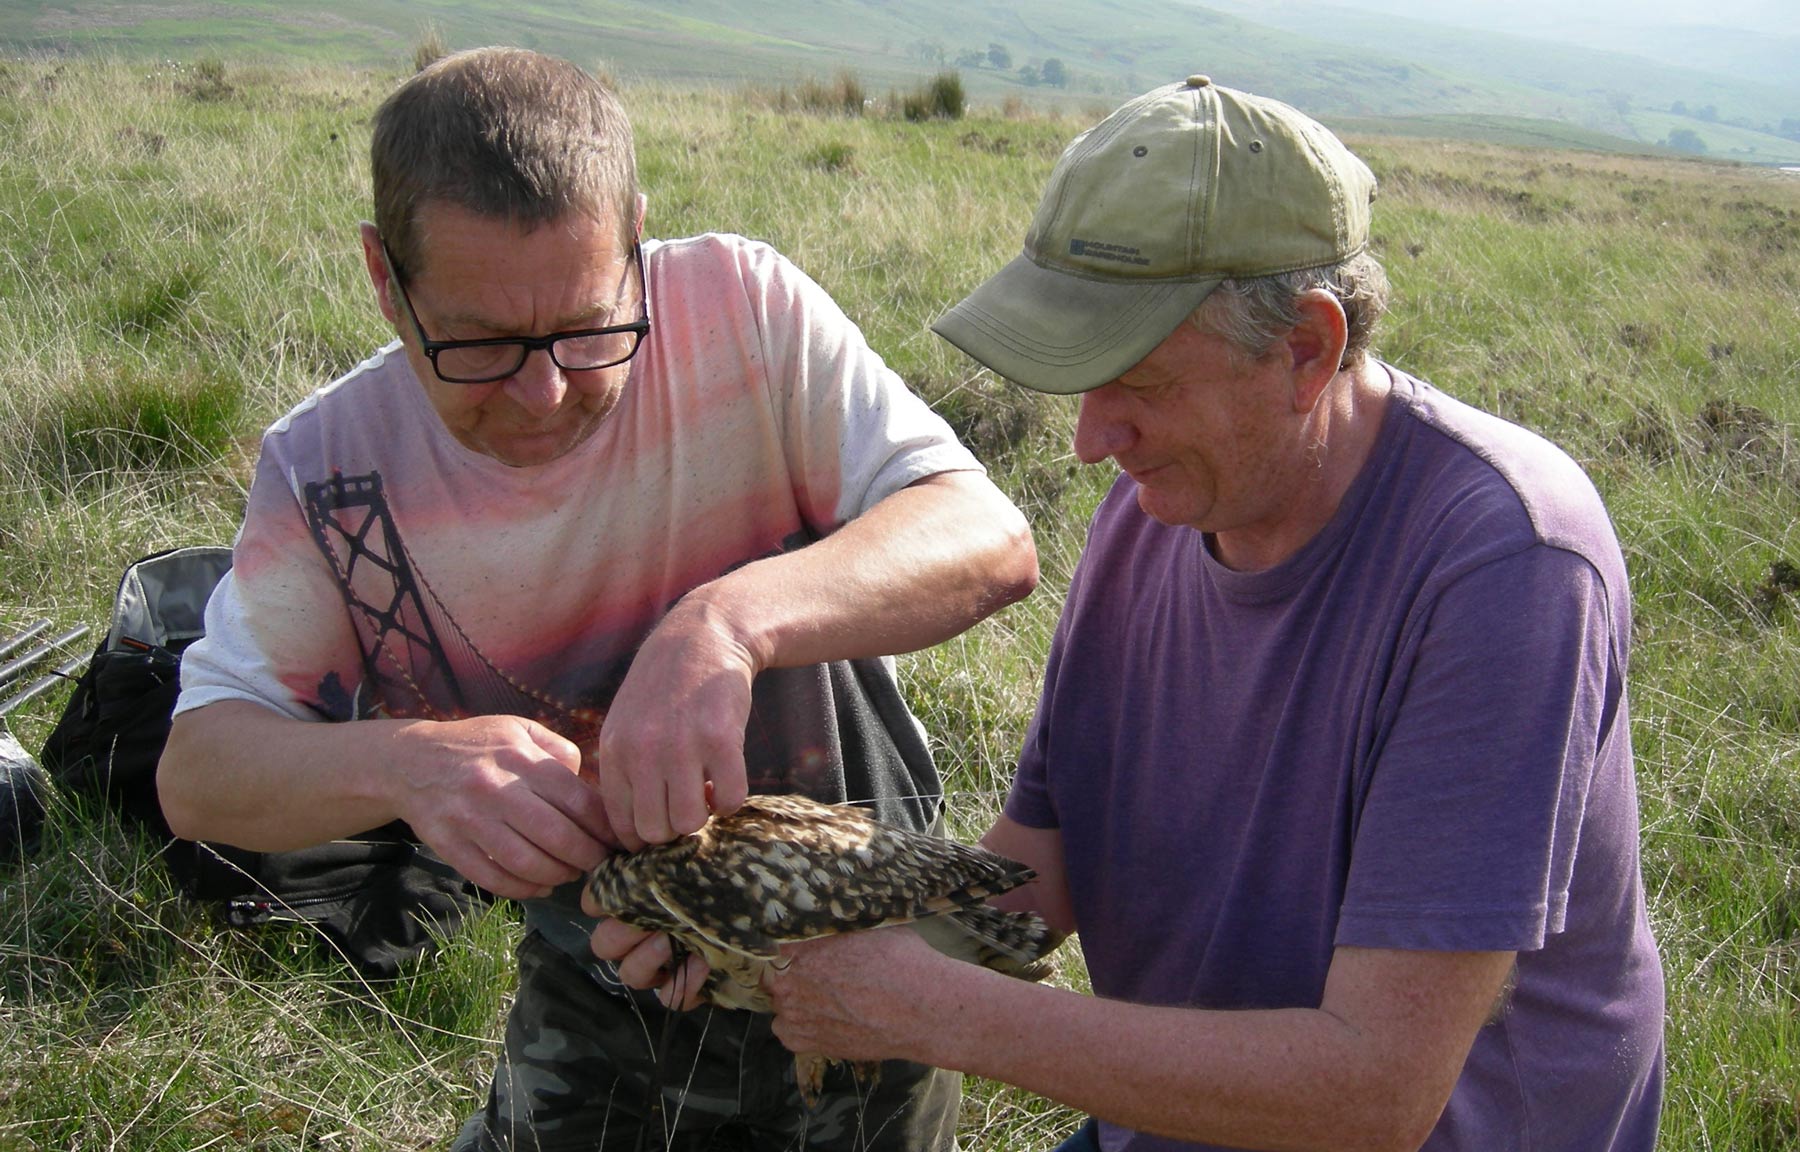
{"x": 782, "y": 869}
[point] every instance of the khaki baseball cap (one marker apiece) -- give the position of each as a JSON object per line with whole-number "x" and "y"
{"x": 1145, "y": 214}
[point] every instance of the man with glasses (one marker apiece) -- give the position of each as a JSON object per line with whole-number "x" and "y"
{"x": 616, "y": 532}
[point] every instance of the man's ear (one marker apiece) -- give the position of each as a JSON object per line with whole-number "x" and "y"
{"x": 643, "y": 203}
{"x": 1315, "y": 346}
{"x": 380, "y": 277}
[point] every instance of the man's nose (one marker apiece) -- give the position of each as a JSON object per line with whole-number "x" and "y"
{"x": 539, "y": 385}
{"x": 1100, "y": 429}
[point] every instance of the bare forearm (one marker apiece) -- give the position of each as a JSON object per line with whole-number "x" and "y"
{"x": 238, "y": 773}
{"x": 501, "y": 798}
{"x": 1279, "y": 1079}
{"x": 1370, "y": 1068}
{"x": 920, "y": 567}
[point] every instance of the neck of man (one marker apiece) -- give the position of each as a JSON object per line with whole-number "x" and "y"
{"x": 1339, "y": 435}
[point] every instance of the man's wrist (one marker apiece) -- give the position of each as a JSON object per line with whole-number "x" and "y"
{"x": 721, "y": 611}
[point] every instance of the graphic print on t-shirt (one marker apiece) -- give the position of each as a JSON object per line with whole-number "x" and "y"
{"x": 403, "y": 628}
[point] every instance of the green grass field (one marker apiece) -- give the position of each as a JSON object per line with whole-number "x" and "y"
{"x": 178, "y": 266}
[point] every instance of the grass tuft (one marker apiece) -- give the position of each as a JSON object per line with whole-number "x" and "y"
{"x": 431, "y": 46}
{"x": 128, "y": 418}
{"x": 940, "y": 98}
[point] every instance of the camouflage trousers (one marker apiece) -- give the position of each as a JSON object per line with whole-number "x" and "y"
{"x": 590, "y": 1066}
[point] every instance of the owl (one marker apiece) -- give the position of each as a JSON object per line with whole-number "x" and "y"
{"x": 782, "y": 869}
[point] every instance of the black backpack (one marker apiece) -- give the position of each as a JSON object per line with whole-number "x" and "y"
{"x": 378, "y": 897}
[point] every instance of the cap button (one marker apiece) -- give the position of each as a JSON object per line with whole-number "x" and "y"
{"x": 1198, "y": 81}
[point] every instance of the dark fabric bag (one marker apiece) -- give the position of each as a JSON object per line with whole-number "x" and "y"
{"x": 377, "y": 897}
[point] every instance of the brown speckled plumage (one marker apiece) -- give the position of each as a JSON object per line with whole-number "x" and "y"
{"x": 782, "y": 869}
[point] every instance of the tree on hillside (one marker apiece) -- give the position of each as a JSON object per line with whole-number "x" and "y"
{"x": 971, "y": 58}
{"x": 929, "y": 51}
{"x": 1685, "y": 140}
{"x": 999, "y": 57}
{"x": 1054, "y": 73}
{"x": 1028, "y": 75}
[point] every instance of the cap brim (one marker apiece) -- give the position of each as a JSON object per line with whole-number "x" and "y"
{"x": 1053, "y": 331}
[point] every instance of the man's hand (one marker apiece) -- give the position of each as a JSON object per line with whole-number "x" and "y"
{"x": 503, "y": 800}
{"x": 646, "y": 960}
{"x": 920, "y": 566}
{"x": 857, "y": 995}
{"x": 672, "y": 748}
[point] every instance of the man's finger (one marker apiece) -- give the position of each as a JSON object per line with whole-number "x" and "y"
{"x": 687, "y": 804}
{"x": 729, "y": 787}
{"x": 620, "y": 804}
{"x": 575, "y": 828}
{"x": 611, "y": 939}
{"x": 682, "y": 992}
{"x": 475, "y": 866}
{"x": 647, "y": 965}
{"x": 650, "y": 813}
{"x": 560, "y": 748}
{"x": 518, "y": 855}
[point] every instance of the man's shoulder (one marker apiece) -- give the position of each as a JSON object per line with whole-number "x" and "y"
{"x": 384, "y": 371}
{"x": 708, "y": 252}
{"x": 1486, "y": 462}
{"x": 366, "y": 419}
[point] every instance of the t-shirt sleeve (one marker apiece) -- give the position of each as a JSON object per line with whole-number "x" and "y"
{"x": 1028, "y": 799}
{"x": 276, "y": 629}
{"x": 852, "y": 430}
{"x": 1467, "y": 834}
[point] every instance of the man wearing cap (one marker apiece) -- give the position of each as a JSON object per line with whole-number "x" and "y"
{"x": 1331, "y": 768}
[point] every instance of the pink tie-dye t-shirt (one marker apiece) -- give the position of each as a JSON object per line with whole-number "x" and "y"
{"x": 383, "y": 568}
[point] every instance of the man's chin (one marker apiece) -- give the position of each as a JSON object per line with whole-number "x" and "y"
{"x": 1163, "y": 507}
{"x": 528, "y": 450}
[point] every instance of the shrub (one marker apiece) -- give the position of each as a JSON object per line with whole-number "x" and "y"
{"x": 833, "y": 156}
{"x": 125, "y": 414}
{"x": 843, "y": 95}
{"x": 208, "y": 81}
{"x": 941, "y": 98}
{"x": 431, "y": 47}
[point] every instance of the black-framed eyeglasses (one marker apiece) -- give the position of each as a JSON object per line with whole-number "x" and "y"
{"x": 485, "y": 361}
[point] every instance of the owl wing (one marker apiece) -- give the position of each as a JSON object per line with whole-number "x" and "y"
{"x": 785, "y": 869}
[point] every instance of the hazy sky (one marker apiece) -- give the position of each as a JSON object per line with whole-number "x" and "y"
{"x": 1778, "y": 17}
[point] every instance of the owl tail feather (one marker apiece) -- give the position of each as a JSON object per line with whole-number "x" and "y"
{"x": 1015, "y": 943}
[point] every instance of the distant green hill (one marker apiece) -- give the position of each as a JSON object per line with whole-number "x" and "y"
{"x": 1732, "y": 115}
{"x": 1511, "y": 131}
{"x": 1098, "y": 51}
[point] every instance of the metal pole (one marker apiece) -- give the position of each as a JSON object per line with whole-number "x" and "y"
{"x": 11, "y": 671}
{"x": 63, "y": 673}
{"x": 8, "y": 647}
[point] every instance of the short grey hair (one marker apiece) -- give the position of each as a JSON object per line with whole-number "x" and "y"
{"x": 1254, "y": 313}
{"x": 502, "y": 132}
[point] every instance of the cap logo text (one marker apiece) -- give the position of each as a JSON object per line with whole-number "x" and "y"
{"x": 1098, "y": 250}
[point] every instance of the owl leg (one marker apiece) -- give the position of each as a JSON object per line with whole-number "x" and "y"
{"x": 867, "y": 1073}
{"x": 809, "y": 1075}
{"x": 810, "y": 1069}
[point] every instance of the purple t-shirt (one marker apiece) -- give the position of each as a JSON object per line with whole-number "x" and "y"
{"x": 1411, "y": 734}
